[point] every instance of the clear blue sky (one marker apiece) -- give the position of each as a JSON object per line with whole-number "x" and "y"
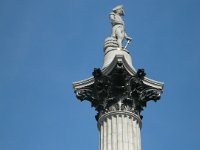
{"x": 45, "y": 45}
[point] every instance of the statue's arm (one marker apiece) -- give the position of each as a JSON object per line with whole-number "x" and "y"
{"x": 112, "y": 17}
{"x": 128, "y": 37}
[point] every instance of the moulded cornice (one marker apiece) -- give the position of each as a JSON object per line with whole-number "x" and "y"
{"x": 106, "y": 70}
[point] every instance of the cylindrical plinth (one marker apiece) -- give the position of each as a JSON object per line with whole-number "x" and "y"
{"x": 119, "y": 131}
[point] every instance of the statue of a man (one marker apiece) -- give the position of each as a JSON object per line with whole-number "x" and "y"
{"x": 118, "y": 27}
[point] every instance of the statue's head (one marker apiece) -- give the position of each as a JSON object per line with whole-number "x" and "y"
{"x": 119, "y": 10}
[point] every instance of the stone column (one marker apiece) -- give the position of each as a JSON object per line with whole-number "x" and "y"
{"x": 119, "y": 130}
{"x": 118, "y": 92}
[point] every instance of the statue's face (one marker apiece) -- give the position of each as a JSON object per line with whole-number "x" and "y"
{"x": 120, "y": 11}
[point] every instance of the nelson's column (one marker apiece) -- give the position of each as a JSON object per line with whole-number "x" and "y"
{"x": 118, "y": 92}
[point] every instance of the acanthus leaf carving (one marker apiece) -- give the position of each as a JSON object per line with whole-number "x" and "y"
{"x": 118, "y": 91}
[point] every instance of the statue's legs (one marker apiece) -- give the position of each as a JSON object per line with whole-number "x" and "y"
{"x": 120, "y": 34}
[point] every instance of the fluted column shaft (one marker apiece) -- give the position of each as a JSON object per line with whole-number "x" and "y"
{"x": 119, "y": 131}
